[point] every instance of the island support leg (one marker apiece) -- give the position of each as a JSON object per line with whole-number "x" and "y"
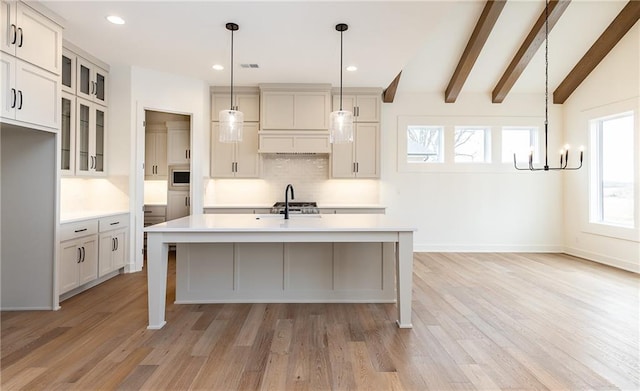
{"x": 157, "y": 254}
{"x": 404, "y": 278}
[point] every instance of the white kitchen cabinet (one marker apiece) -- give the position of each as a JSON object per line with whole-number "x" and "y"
{"x": 301, "y": 108}
{"x": 178, "y": 204}
{"x": 178, "y": 142}
{"x": 30, "y": 36}
{"x": 235, "y": 160}
{"x": 78, "y": 254}
{"x": 154, "y": 214}
{"x": 68, "y": 71}
{"x": 29, "y": 94}
{"x": 68, "y": 134}
{"x": 91, "y": 125}
{"x": 247, "y": 102}
{"x": 91, "y": 81}
{"x": 365, "y": 108}
{"x": 360, "y": 159}
{"x": 155, "y": 155}
{"x": 114, "y": 233}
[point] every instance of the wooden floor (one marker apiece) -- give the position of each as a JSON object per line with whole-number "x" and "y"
{"x": 481, "y": 322}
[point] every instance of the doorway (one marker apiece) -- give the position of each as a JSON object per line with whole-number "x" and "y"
{"x": 167, "y": 167}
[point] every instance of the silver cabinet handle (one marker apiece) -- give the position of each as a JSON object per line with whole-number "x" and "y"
{"x": 20, "y": 95}
{"x": 114, "y": 223}
{"x": 80, "y": 230}
{"x": 15, "y": 98}
{"x": 79, "y": 254}
{"x": 21, "y": 37}
{"x": 117, "y": 243}
{"x": 113, "y": 244}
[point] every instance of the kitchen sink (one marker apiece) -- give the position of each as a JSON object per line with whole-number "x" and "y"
{"x": 291, "y": 216}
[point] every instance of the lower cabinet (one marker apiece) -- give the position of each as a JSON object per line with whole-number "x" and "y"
{"x": 78, "y": 254}
{"x": 91, "y": 249}
{"x": 113, "y": 243}
{"x": 178, "y": 204}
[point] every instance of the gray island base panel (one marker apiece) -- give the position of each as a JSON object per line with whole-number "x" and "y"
{"x": 254, "y": 229}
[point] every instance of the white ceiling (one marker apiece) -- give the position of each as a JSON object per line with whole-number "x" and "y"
{"x": 296, "y": 41}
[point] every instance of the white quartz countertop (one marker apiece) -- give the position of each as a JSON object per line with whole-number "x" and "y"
{"x": 71, "y": 217}
{"x": 322, "y": 206}
{"x": 277, "y": 223}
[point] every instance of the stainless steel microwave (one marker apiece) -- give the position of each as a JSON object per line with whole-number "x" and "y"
{"x": 179, "y": 177}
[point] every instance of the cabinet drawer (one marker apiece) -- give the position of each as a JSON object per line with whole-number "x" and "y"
{"x": 114, "y": 222}
{"x": 155, "y": 211}
{"x": 78, "y": 229}
{"x": 151, "y": 220}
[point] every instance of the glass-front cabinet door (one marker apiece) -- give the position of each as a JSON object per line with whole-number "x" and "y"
{"x": 91, "y": 133}
{"x": 98, "y": 163}
{"x": 68, "y": 134}
{"x": 68, "y": 74}
{"x": 92, "y": 82}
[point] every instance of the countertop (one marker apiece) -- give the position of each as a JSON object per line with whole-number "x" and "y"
{"x": 321, "y": 206}
{"x": 276, "y": 223}
{"x": 70, "y": 217}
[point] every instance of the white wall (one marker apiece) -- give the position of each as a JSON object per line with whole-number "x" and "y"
{"x": 497, "y": 209}
{"x": 613, "y": 86}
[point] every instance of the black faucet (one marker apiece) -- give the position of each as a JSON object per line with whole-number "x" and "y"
{"x": 286, "y": 200}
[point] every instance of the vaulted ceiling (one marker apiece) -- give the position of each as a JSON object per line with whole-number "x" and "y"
{"x": 296, "y": 42}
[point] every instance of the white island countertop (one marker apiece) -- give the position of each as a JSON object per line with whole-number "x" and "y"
{"x": 276, "y": 223}
{"x": 300, "y": 228}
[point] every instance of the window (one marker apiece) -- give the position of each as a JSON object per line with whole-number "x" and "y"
{"x": 472, "y": 144}
{"x": 425, "y": 144}
{"x": 521, "y": 141}
{"x": 612, "y": 179}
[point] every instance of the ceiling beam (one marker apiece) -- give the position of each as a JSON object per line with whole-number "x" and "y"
{"x": 529, "y": 47}
{"x": 389, "y": 94}
{"x": 488, "y": 18}
{"x": 598, "y": 51}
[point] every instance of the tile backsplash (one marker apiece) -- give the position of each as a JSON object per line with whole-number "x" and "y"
{"x": 309, "y": 175}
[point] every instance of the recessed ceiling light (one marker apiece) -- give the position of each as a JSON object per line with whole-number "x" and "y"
{"x": 115, "y": 19}
{"x": 218, "y": 67}
{"x": 352, "y": 68}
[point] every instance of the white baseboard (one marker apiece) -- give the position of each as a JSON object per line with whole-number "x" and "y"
{"x": 26, "y": 309}
{"x": 604, "y": 259}
{"x": 485, "y": 248}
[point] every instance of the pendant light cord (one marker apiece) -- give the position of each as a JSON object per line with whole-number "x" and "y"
{"x": 341, "y": 70}
{"x": 546, "y": 82}
{"x": 231, "y": 98}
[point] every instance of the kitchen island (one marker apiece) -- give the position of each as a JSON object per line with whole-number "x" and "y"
{"x": 244, "y": 243}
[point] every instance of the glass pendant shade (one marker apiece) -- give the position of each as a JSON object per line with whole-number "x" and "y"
{"x": 341, "y": 127}
{"x": 231, "y": 123}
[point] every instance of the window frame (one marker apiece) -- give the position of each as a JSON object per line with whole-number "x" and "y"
{"x": 487, "y": 131}
{"x": 596, "y": 228}
{"x": 596, "y": 177}
{"x": 494, "y": 126}
{"x": 534, "y": 142}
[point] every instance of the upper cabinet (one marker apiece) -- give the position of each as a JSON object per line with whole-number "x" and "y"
{"x": 30, "y": 36}
{"x": 68, "y": 71}
{"x": 365, "y": 108}
{"x": 179, "y": 142}
{"x": 91, "y": 81}
{"x": 84, "y": 113}
{"x": 29, "y": 67}
{"x": 245, "y": 99}
{"x": 91, "y": 124}
{"x": 360, "y": 159}
{"x": 295, "y": 107}
{"x": 155, "y": 155}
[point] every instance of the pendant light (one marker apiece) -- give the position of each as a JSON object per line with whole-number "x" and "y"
{"x": 341, "y": 121}
{"x": 564, "y": 154}
{"x": 231, "y": 121}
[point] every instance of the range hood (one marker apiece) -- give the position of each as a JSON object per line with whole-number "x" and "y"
{"x": 294, "y": 141}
